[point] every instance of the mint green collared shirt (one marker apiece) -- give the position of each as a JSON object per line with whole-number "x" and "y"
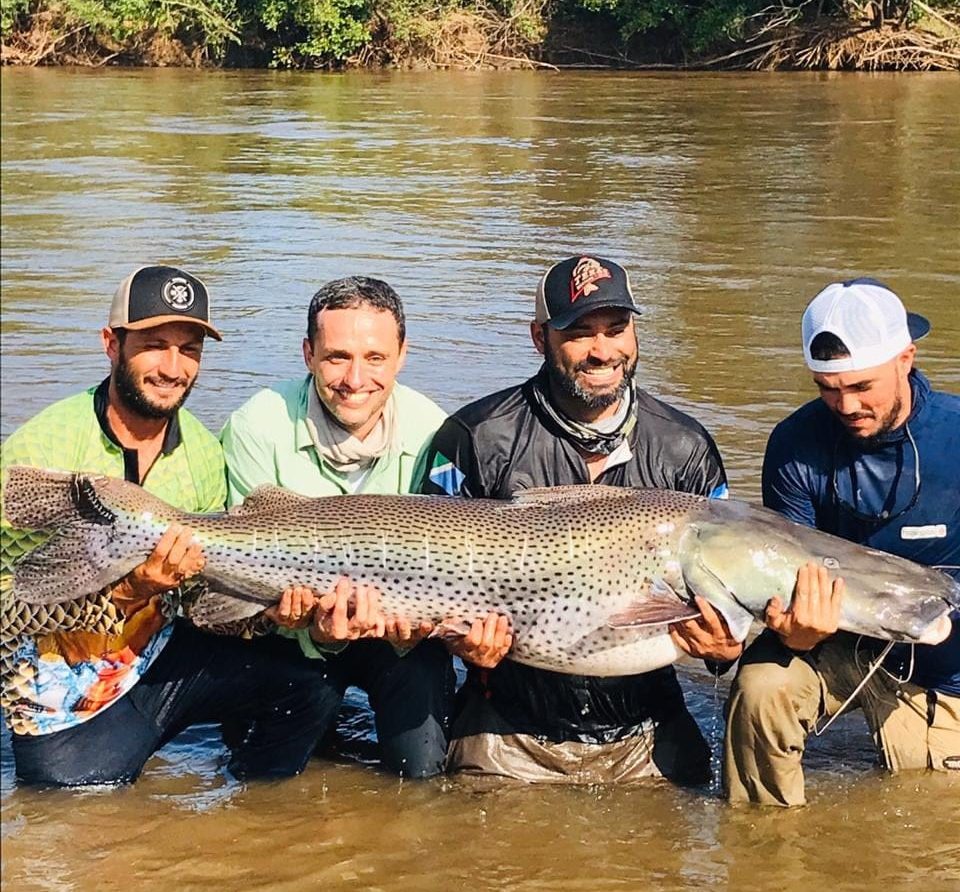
{"x": 267, "y": 440}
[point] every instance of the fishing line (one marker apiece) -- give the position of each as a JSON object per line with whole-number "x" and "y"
{"x": 876, "y": 665}
{"x": 909, "y": 674}
{"x": 913, "y": 647}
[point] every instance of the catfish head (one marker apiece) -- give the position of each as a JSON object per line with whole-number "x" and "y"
{"x": 738, "y": 557}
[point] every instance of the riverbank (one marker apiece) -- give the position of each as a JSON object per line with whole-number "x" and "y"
{"x": 468, "y": 34}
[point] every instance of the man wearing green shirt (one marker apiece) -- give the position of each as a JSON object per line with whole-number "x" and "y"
{"x": 348, "y": 427}
{"x": 90, "y": 706}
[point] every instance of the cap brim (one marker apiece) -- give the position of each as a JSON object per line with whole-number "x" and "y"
{"x": 154, "y": 321}
{"x": 918, "y": 326}
{"x": 572, "y": 315}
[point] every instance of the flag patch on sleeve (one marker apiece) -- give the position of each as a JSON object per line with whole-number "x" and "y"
{"x": 446, "y": 475}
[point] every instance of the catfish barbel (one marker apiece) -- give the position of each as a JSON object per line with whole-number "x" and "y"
{"x": 590, "y": 576}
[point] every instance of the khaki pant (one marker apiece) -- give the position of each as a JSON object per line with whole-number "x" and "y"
{"x": 777, "y": 699}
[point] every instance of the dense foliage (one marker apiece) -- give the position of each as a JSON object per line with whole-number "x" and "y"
{"x": 300, "y": 33}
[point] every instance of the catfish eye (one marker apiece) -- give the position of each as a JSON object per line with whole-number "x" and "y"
{"x": 831, "y": 563}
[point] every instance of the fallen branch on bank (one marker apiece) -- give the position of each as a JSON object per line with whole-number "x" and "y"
{"x": 870, "y": 38}
{"x": 953, "y": 27}
{"x": 860, "y": 48}
{"x": 523, "y": 62}
{"x": 751, "y": 50}
{"x": 607, "y": 60}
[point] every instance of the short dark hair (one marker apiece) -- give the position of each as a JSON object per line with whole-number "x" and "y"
{"x": 826, "y": 346}
{"x": 356, "y": 291}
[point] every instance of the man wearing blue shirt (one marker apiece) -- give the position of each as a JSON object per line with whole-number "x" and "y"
{"x": 873, "y": 460}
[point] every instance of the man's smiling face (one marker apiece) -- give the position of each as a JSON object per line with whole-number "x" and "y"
{"x": 355, "y": 357}
{"x": 592, "y": 362}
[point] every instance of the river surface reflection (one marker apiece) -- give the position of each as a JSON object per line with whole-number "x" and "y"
{"x": 731, "y": 198}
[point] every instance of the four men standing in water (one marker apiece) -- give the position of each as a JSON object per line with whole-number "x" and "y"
{"x": 348, "y": 427}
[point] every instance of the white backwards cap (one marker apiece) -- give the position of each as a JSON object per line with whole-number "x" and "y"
{"x": 870, "y": 320}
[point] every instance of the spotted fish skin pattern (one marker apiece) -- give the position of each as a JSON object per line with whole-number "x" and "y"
{"x": 590, "y": 576}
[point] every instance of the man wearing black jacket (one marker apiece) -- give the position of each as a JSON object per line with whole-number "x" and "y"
{"x": 581, "y": 419}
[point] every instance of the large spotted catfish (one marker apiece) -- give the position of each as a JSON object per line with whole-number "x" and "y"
{"x": 590, "y": 576}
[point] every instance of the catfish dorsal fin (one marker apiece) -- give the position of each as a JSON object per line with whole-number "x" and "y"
{"x": 87, "y": 502}
{"x": 268, "y": 498}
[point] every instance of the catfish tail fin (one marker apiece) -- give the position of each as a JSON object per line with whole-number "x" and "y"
{"x": 77, "y": 559}
{"x": 35, "y": 499}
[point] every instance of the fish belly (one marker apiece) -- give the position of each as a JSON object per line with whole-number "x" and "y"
{"x": 604, "y": 652}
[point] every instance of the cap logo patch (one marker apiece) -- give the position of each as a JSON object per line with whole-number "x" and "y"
{"x": 178, "y": 294}
{"x": 585, "y": 276}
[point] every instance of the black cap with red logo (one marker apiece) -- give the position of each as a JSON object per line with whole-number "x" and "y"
{"x": 580, "y": 284}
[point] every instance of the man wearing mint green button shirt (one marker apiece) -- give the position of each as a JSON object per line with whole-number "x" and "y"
{"x": 348, "y": 427}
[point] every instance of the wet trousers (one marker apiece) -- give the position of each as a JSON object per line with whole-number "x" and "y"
{"x": 411, "y": 697}
{"x": 671, "y": 747}
{"x": 197, "y": 678}
{"x": 778, "y": 698}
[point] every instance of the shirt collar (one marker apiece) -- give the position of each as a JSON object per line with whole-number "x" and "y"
{"x": 304, "y": 440}
{"x": 919, "y": 391}
{"x": 301, "y": 433}
{"x": 101, "y": 399}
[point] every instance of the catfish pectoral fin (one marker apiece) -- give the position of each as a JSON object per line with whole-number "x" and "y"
{"x": 35, "y": 499}
{"x": 68, "y": 566}
{"x": 652, "y": 611}
{"x": 701, "y": 581}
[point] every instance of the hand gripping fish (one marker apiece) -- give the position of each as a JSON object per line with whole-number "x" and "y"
{"x": 590, "y": 576}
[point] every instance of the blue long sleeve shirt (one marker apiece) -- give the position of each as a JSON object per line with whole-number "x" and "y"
{"x": 810, "y": 461}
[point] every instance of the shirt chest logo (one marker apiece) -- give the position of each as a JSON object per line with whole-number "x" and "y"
{"x": 929, "y": 531}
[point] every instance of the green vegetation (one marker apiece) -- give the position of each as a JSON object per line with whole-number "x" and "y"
{"x": 482, "y": 33}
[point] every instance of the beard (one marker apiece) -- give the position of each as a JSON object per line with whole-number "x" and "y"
{"x": 887, "y": 424}
{"x": 567, "y": 383}
{"x": 132, "y": 395}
